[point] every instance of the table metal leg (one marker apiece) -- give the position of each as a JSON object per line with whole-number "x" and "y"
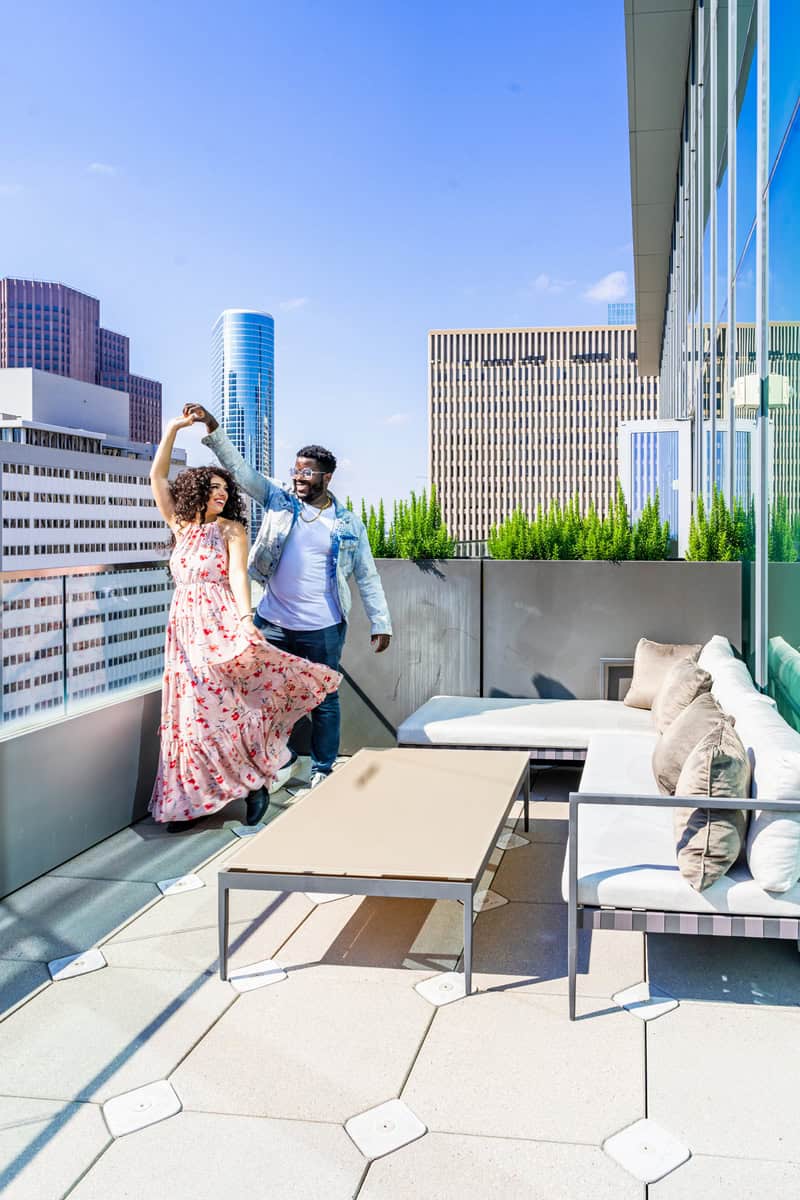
{"x": 224, "y": 917}
{"x": 468, "y": 942}
{"x": 526, "y": 802}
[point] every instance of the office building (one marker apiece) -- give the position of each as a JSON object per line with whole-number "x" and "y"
{"x": 622, "y": 314}
{"x": 714, "y": 112}
{"x": 243, "y": 387}
{"x": 84, "y": 590}
{"x": 520, "y": 417}
{"x": 54, "y": 328}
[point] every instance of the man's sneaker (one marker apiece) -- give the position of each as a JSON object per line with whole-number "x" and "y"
{"x": 284, "y": 774}
{"x": 317, "y": 778}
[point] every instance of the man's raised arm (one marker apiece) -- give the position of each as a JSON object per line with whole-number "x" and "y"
{"x": 255, "y": 484}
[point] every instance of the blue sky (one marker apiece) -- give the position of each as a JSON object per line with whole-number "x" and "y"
{"x": 364, "y": 171}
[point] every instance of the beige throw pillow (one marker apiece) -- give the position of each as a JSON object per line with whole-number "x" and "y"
{"x": 651, "y": 662}
{"x": 683, "y": 682}
{"x": 680, "y": 738}
{"x": 709, "y": 840}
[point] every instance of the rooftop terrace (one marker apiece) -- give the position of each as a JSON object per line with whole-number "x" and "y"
{"x": 516, "y": 1100}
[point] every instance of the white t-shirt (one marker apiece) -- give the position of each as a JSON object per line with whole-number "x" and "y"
{"x": 299, "y": 595}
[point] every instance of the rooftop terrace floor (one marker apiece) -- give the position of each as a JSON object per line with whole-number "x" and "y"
{"x": 517, "y": 1101}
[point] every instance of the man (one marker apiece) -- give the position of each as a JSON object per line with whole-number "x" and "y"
{"x": 307, "y": 547}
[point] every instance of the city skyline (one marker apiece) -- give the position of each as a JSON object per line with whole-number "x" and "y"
{"x": 338, "y": 217}
{"x": 521, "y": 417}
{"x": 50, "y": 326}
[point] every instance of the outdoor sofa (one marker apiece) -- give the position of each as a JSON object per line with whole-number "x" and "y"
{"x": 621, "y": 869}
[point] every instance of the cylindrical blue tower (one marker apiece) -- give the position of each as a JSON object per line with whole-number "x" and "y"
{"x": 243, "y": 388}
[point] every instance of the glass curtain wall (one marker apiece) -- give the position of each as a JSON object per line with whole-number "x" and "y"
{"x": 782, "y": 170}
{"x": 731, "y": 355}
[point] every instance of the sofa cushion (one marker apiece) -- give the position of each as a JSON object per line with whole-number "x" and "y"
{"x": 708, "y": 841}
{"x": 715, "y": 653}
{"x": 679, "y": 739}
{"x": 733, "y": 684}
{"x": 682, "y": 683}
{"x": 651, "y": 662}
{"x": 497, "y": 721}
{"x": 773, "y": 840}
{"x": 626, "y": 856}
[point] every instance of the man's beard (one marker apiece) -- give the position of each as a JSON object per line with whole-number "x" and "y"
{"x": 313, "y": 493}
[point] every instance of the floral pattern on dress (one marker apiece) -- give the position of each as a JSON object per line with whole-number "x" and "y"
{"x": 229, "y": 698}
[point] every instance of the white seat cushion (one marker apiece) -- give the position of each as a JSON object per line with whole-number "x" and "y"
{"x": 529, "y": 724}
{"x": 626, "y": 856}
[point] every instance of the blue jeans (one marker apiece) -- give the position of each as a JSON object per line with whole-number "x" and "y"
{"x": 318, "y": 646}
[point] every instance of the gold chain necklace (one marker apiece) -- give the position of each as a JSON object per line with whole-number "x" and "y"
{"x": 319, "y": 514}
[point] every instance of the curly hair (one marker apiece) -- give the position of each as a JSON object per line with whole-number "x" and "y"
{"x": 191, "y": 491}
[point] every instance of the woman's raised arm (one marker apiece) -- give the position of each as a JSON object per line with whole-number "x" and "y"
{"x": 159, "y": 471}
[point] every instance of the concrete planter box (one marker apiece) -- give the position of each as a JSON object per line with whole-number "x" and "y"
{"x": 546, "y": 625}
{"x": 436, "y": 615}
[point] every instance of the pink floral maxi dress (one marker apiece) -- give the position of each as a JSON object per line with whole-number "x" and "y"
{"x": 229, "y": 699}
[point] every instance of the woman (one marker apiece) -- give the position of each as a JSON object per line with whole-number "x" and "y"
{"x": 229, "y": 699}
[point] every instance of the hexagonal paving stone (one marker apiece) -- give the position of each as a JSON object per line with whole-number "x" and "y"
{"x": 54, "y": 917}
{"x": 475, "y": 1168}
{"x": 306, "y": 1051}
{"x": 107, "y": 1032}
{"x": 197, "y": 1155}
{"x": 46, "y": 1145}
{"x": 533, "y": 1065}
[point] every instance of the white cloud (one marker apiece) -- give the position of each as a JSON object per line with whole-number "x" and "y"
{"x": 291, "y": 305}
{"x": 611, "y": 287}
{"x": 397, "y": 418}
{"x": 546, "y": 283}
{"x": 10, "y": 189}
{"x": 100, "y": 168}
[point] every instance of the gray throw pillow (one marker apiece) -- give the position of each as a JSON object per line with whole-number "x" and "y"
{"x": 709, "y": 840}
{"x": 683, "y": 682}
{"x": 651, "y": 662}
{"x": 680, "y": 738}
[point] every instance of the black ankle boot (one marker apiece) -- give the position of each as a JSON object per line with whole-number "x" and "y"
{"x": 257, "y": 804}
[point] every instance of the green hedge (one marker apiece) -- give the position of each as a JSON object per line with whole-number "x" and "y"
{"x": 416, "y": 530}
{"x": 563, "y": 533}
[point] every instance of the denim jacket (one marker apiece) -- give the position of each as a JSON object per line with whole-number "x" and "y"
{"x": 351, "y": 554}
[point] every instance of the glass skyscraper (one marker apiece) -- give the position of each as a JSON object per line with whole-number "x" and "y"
{"x": 243, "y": 388}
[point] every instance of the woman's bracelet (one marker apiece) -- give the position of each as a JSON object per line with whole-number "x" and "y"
{"x": 248, "y": 616}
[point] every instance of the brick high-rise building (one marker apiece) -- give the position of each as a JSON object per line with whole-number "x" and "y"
{"x": 52, "y": 327}
{"x": 520, "y": 417}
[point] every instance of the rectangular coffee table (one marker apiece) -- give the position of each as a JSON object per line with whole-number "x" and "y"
{"x": 401, "y": 822}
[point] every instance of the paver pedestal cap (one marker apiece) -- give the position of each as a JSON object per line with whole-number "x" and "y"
{"x": 385, "y": 1128}
{"x": 141, "y": 1107}
{"x": 442, "y": 989}
{"x": 646, "y": 1150}
{"x": 76, "y": 964}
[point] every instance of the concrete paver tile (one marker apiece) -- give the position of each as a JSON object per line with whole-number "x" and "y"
{"x": 723, "y": 1079}
{"x": 54, "y": 917}
{"x": 305, "y": 1052}
{"x": 375, "y": 931}
{"x": 19, "y": 981}
{"x": 508, "y": 1065}
{"x": 197, "y": 949}
{"x": 492, "y": 1168}
{"x": 743, "y": 970}
{"x": 45, "y": 1146}
{"x": 105, "y": 1033}
{"x": 524, "y": 947}
{"x": 531, "y": 873}
{"x": 147, "y": 854}
{"x": 735, "y": 1178}
{"x": 195, "y": 1156}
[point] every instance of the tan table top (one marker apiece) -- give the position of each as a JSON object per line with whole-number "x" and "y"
{"x": 395, "y": 814}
